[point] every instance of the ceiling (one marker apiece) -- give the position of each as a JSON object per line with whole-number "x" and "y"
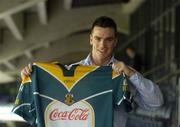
{"x": 42, "y": 30}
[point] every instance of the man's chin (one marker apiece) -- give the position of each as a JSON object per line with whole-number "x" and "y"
{"x": 103, "y": 55}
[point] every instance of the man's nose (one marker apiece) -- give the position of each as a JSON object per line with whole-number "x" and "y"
{"x": 102, "y": 43}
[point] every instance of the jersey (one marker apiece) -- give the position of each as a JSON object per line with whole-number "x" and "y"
{"x": 78, "y": 96}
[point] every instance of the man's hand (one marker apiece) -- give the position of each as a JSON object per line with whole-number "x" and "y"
{"x": 26, "y": 71}
{"x": 121, "y": 67}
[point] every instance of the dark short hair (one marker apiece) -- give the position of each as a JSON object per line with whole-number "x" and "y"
{"x": 105, "y": 21}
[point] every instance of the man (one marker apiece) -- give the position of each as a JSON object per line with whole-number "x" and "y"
{"x": 134, "y": 58}
{"x": 103, "y": 39}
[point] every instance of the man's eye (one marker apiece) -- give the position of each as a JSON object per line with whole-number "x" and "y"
{"x": 97, "y": 39}
{"x": 110, "y": 39}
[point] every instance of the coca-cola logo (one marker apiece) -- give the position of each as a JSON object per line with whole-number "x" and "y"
{"x": 74, "y": 114}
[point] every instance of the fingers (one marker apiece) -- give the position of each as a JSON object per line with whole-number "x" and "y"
{"x": 118, "y": 67}
{"x": 27, "y": 70}
{"x": 30, "y": 67}
{"x": 121, "y": 67}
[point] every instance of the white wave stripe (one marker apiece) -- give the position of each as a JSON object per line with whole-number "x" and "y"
{"x": 50, "y": 98}
{"x": 32, "y": 110}
{"x": 26, "y": 82}
{"x": 104, "y": 92}
{"x": 115, "y": 76}
{"x": 24, "y": 104}
{"x": 121, "y": 100}
{"x": 98, "y": 94}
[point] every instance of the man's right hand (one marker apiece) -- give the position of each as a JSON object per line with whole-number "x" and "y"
{"x": 26, "y": 71}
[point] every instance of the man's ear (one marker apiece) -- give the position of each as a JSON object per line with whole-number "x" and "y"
{"x": 90, "y": 39}
{"x": 116, "y": 40}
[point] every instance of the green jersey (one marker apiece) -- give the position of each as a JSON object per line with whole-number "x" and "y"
{"x": 78, "y": 96}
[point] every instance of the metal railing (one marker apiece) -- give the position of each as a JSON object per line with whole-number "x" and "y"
{"x": 151, "y": 71}
{"x": 168, "y": 76}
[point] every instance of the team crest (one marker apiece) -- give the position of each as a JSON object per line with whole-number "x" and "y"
{"x": 69, "y": 99}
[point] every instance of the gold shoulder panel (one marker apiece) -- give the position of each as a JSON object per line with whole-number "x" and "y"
{"x": 68, "y": 81}
{"x": 114, "y": 74}
{"x": 25, "y": 79}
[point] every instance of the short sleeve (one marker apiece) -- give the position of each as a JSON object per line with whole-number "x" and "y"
{"x": 24, "y": 104}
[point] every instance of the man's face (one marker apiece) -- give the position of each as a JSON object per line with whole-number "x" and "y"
{"x": 103, "y": 41}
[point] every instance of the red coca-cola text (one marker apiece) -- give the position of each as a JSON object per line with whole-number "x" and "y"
{"x": 74, "y": 114}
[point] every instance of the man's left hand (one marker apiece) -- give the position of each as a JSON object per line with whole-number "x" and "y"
{"x": 121, "y": 67}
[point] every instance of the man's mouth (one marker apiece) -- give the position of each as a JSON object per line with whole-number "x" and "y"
{"x": 102, "y": 51}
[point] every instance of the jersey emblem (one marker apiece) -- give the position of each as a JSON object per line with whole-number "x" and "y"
{"x": 69, "y": 99}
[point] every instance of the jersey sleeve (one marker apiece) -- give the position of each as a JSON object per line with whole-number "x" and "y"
{"x": 24, "y": 104}
{"x": 118, "y": 89}
{"x": 122, "y": 95}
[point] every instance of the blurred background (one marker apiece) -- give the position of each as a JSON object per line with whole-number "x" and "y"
{"x": 58, "y": 30}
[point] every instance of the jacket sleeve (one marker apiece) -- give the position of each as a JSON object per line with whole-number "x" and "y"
{"x": 146, "y": 93}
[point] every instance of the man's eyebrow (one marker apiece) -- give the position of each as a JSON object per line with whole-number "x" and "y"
{"x": 97, "y": 36}
{"x": 110, "y": 37}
